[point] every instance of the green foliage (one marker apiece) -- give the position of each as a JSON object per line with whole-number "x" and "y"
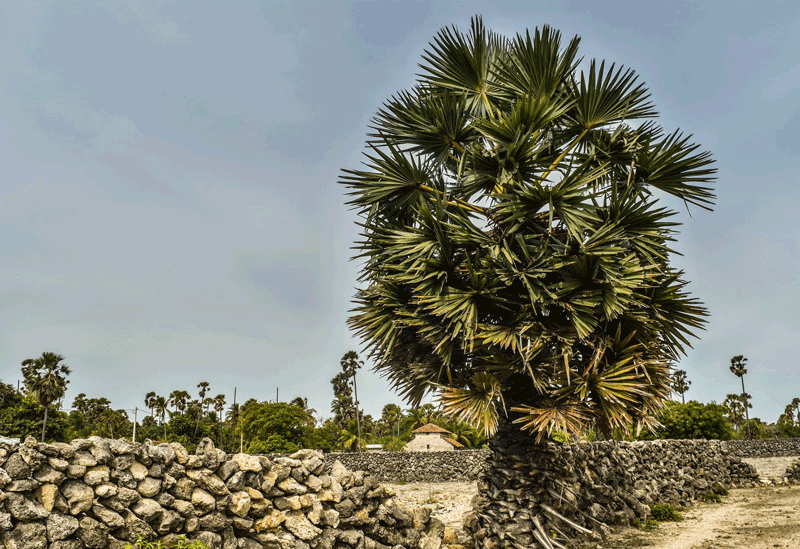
{"x": 182, "y": 543}
{"x": 514, "y": 255}
{"x": 692, "y": 420}
{"x": 720, "y": 490}
{"x": 273, "y": 444}
{"x": 710, "y": 497}
{"x": 664, "y": 513}
{"x": 325, "y": 437}
{"x": 275, "y": 427}
{"x": 392, "y": 444}
{"x": 648, "y": 525}
{"x": 21, "y": 416}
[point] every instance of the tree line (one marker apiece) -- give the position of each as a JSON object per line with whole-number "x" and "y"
{"x": 280, "y": 427}
{"x": 255, "y": 426}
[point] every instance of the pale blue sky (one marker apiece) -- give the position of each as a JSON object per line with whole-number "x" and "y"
{"x": 169, "y": 209}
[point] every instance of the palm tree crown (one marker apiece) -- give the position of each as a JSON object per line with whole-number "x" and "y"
{"x": 515, "y": 259}
{"x": 738, "y": 369}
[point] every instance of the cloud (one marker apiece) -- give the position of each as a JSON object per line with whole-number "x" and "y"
{"x": 161, "y": 30}
{"x": 783, "y": 84}
{"x": 106, "y": 131}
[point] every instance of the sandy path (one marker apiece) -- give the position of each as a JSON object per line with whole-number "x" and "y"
{"x": 751, "y": 518}
{"x": 771, "y": 467}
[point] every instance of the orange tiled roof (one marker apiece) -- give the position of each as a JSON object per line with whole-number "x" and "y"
{"x": 454, "y": 442}
{"x": 431, "y": 428}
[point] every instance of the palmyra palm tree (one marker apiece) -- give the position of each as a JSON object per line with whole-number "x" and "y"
{"x": 515, "y": 259}
{"x": 46, "y": 380}
{"x": 150, "y": 402}
{"x": 219, "y": 406}
{"x": 204, "y": 388}
{"x": 738, "y": 369}
{"x": 350, "y": 364}
{"x": 680, "y": 384}
{"x": 160, "y": 404}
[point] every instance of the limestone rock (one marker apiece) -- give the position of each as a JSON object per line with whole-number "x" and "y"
{"x": 47, "y": 495}
{"x": 181, "y": 455}
{"x": 96, "y": 475}
{"x": 147, "y": 509}
{"x": 247, "y": 462}
{"x": 92, "y": 533}
{"x": 149, "y": 487}
{"x": 84, "y": 458}
{"x": 240, "y": 504}
{"x": 269, "y": 522}
{"x": 214, "y": 521}
{"x": 202, "y": 501}
{"x": 106, "y": 490}
{"x": 17, "y": 468}
{"x": 138, "y": 471}
{"x": 47, "y": 474}
{"x": 60, "y": 526}
{"x": 108, "y": 517}
{"x": 21, "y": 508}
{"x": 26, "y": 535}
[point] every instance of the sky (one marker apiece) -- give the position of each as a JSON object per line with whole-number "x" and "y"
{"x": 169, "y": 205}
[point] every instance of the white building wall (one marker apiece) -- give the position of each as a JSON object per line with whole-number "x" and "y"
{"x": 428, "y": 442}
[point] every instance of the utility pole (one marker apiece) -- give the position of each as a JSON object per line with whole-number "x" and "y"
{"x": 276, "y": 395}
{"x": 135, "y": 413}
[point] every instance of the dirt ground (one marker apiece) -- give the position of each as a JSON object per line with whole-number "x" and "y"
{"x": 749, "y": 518}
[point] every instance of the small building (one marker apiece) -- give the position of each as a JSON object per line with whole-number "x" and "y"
{"x": 432, "y": 438}
{"x": 374, "y": 447}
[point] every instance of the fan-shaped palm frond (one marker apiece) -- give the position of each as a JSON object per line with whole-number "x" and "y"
{"x": 514, "y": 259}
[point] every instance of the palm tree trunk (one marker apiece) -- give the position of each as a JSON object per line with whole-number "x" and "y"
{"x": 44, "y": 424}
{"x": 683, "y": 398}
{"x": 746, "y": 413}
{"x": 358, "y": 421}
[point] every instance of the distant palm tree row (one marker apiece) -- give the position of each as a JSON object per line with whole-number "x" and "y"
{"x": 274, "y": 427}
{"x": 187, "y": 417}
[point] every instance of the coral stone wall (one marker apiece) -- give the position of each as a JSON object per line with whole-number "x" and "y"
{"x": 774, "y": 447}
{"x": 100, "y": 493}
{"x": 461, "y": 465}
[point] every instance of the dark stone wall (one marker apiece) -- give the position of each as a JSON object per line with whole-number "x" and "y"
{"x": 774, "y": 447}
{"x": 462, "y": 465}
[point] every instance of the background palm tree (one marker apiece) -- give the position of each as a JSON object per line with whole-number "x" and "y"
{"x": 738, "y": 369}
{"x": 680, "y": 384}
{"x": 734, "y": 406}
{"x": 150, "y": 401}
{"x": 390, "y": 418}
{"x": 350, "y": 439}
{"x": 219, "y": 406}
{"x": 160, "y": 404}
{"x": 350, "y": 364}
{"x": 46, "y": 380}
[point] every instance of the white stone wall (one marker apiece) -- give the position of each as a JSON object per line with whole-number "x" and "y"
{"x": 428, "y": 442}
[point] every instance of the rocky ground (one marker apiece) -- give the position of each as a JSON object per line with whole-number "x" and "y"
{"x": 448, "y": 501}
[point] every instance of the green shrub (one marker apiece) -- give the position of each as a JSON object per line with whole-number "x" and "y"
{"x": 182, "y": 543}
{"x": 648, "y": 526}
{"x": 664, "y": 513}
{"x": 720, "y": 490}
{"x": 710, "y": 497}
